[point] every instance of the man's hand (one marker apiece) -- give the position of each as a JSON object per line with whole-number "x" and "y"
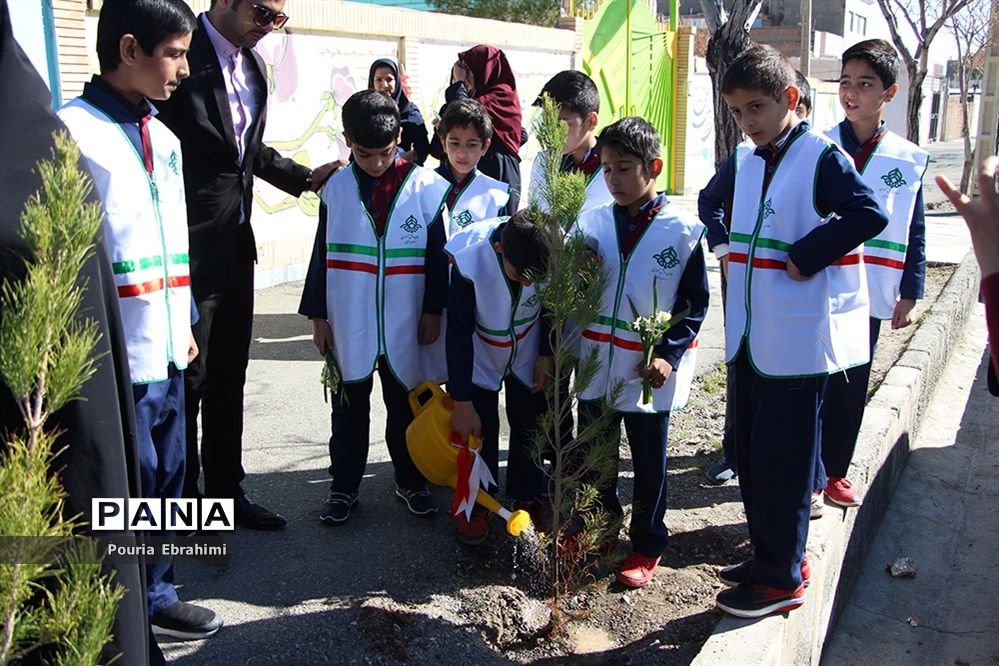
{"x": 192, "y": 348}
{"x": 723, "y": 264}
{"x": 900, "y": 317}
{"x": 429, "y": 329}
{"x": 542, "y": 373}
{"x": 794, "y": 273}
{"x": 981, "y": 215}
{"x": 465, "y": 420}
{"x": 657, "y": 372}
{"x": 322, "y": 336}
{"x": 321, "y": 173}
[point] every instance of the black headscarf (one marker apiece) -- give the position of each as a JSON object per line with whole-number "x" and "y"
{"x": 409, "y": 113}
{"x": 101, "y": 456}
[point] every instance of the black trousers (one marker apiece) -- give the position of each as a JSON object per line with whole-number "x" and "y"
{"x": 214, "y": 382}
{"x": 351, "y": 424}
{"x": 776, "y": 424}
{"x": 843, "y": 412}
{"x": 524, "y": 478}
{"x": 647, "y": 440}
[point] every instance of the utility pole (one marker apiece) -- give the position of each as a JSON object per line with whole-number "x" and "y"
{"x": 806, "y": 38}
{"x": 988, "y": 115}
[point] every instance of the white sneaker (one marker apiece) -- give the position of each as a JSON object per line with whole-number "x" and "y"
{"x": 818, "y": 506}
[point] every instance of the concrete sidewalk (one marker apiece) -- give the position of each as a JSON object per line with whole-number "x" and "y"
{"x": 943, "y": 516}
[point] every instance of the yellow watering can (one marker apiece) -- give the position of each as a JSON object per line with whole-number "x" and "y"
{"x": 428, "y": 439}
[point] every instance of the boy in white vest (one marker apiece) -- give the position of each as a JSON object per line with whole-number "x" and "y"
{"x": 466, "y": 132}
{"x": 895, "y": 260}
{"x": 644, "y": 242}
{"x": 796, "y": 312}
{"x": 579, "y": 106}
{"x": 714, "y": 206}
{"x": 136, "y": 164}
{"x": 375, "y": 290}
{"x": 496, "y": 338}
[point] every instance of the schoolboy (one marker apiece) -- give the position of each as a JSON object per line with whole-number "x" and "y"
{"x": 642, "y": 241}
{"x": 579, "y": 106}
{"x": 713, "y": 205}
{"x": 136, "y": 164}
{"x": 466, "y": 133}
{"x": 895, "y": 260}
{"x": 495, "y": 338}
{"x": 797, "y": 312}
{"x": 374, "y": 291}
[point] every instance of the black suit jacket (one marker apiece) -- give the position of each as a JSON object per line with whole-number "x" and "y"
{"x": 216, "y": 181}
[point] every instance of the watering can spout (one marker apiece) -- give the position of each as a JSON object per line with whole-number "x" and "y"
{"x": 428, "y": 439}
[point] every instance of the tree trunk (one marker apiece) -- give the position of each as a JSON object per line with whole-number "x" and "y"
{"x": 969, "y": 156}
{"x": 914, "y": 101}
{"x": 722, "y": 51}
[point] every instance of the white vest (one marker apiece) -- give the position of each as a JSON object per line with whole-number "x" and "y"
{"x": 597, "y": 193}
{"x": 481, "y": 198}
{"x": 375, "y": 285}
{"x": 660, "y": 255}
{"x": 895, "y": 172}
{"x": 790, "y": 328}
{"x": 145, "y": 230}
{"x": 507, "y": 333}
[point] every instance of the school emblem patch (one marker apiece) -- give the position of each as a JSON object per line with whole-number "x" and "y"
{"x": 532, "y": 301}
{"x": 172, "y": 163}
{"x": 463, "y": 219}
{"x": 667, "y": 258}
{"x": 768, "y": 209}
{"x": 894, "y": 178}
{"x": 411, "y": 225}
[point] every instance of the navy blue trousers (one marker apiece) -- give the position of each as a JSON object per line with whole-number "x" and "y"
{"x": 351, "y": 425}
{"x": 776, "y": 422}
{"x": 728, "y": 437}
{"x": 161, "y": 434}
{"x": 843, "y": 412}
{"x": 647, "y": 441}
{"x": 524, "y": 479}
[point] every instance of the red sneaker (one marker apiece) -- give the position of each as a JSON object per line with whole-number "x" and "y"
{"x": 840, "y": 491}
{"x": 637, "y": 570}
{"x": 476, "y": 530}
{"x": 737, "y": 574}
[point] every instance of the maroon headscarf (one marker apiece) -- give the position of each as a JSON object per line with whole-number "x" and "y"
{"x": 496, "y": 89}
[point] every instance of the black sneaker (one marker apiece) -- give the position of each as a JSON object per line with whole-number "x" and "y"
{"x": 186, "y": 622}
{"x": 336, "y": 508}
{"x": 737, "y": 574}
{"x": 755, "y": 600}
{"x": 417, "y": 501}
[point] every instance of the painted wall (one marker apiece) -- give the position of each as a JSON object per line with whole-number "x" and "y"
{"x": 325, "y": 58}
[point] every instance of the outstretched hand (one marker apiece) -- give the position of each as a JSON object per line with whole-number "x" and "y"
{"x": 981, "y": 215}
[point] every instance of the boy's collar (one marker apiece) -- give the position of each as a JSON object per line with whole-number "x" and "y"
{"x": 364, "y": 174}
{"x": 847, "y": 127}
{"x": 102, "y": 93}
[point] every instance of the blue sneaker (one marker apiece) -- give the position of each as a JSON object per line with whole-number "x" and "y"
{"x": 720, "y": 473}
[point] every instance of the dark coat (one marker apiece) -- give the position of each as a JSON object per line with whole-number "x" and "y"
{"x": 216, "y": 182}
{"x": 101, "y": 457}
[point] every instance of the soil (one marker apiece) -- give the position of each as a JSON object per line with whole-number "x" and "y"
{"x": 666, "y": 622}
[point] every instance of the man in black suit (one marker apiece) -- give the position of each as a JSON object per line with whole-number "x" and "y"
{"x": 219, "y": 115}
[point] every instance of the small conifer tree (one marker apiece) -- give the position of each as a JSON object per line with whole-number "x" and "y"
{"x": 51, "y": 599}
{"x": 570, "y": 293}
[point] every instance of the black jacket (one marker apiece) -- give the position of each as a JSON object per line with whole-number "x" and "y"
{"x": 216, "y": 182}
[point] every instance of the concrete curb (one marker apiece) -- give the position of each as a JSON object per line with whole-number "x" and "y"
{"x": 839, "y": 541}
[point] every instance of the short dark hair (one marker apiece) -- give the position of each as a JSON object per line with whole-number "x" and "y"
{"x": 150, "y": 21}
{"x": 466, "y": 113}
{"x": 804, "y": 89}
{"x": 370, "y": 119}
{"x": 573, "y": 91}
{"x": 880, "y": 55}
{"x": 759, "y": 68}
{"x": 524, "y": 244}
{"x": 633, "y": 136}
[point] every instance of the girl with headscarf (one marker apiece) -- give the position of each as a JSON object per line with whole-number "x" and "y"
{"x": 483, "y": 73}
{"x": 384, "y": 77}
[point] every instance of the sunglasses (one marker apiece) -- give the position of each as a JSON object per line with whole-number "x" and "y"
{"x": 263, "y": 17}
